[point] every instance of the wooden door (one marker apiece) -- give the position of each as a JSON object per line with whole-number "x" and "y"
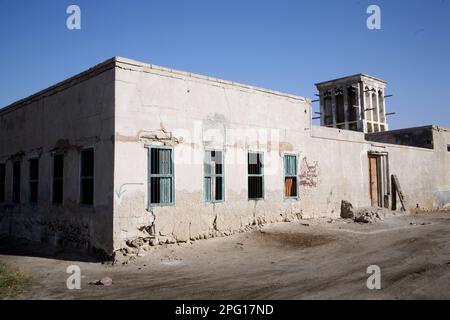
{"x": 373, "y": 180}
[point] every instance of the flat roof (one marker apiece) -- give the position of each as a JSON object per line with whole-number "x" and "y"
{"x": 60, "y": 86}
{"x": 147, "y": 66}
{"x": 358, "y": 75}
{"x": 113, "y": 63}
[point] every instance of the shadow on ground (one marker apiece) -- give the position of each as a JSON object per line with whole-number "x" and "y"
{"x": 21, "y": 247}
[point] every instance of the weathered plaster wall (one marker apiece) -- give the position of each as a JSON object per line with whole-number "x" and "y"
{"x": 193, "y": 113}
{"x": 417, "y": 175}
{"x": 344, "y": 172}
{"x": 442, "y": 143}
{"x": 341, "y": 158}
{"x": 67, "y": 117}
{"x": 424, "y": 174}
{"x": 200, "y": 113}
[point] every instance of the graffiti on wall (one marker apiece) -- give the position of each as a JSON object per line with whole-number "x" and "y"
{"x": 309, "y": 173}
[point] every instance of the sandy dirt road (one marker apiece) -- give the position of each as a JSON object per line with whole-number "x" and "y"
{"x": 297, "y": 260}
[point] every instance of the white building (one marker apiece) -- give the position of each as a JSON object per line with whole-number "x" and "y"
{"x": 128, "y": 151}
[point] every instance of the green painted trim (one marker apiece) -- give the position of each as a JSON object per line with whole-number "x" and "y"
{"x": 212, "y": 176}
{"x": 257, "y": 175}
{"x": 170, "y": 175}
{"x": 285, "y": 156}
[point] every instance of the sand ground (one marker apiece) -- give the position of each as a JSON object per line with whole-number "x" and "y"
{"x": 312, "y": 259}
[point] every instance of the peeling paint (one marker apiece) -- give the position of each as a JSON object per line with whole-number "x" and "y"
{"x": 64, "y": 145}
{"x": 161, "y": 136}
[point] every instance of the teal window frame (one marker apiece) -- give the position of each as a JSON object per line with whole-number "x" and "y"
{"x": 210, "y": 176}
{"x": 290, "y": 171}
{"x": 2, "y": 182}
{"x": 87, "y": 177}
{"x": 33, "y": 180}
{"x": 261, "y": 174}
{"x": 170, "y": 175}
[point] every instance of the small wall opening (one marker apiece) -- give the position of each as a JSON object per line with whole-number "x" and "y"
{"x": 367, "y": 106}
{"x": 352, "y": 104}
{"x": 340, "y": 107}
{"x": 328, "y": 116}
{"x": 87, "y": 177}
{"x": 16, "y": 182}
{"x": 58, "y": 179}
{"x": 33, "y": 180}
{"x": 374, "y": 105}
{"x": 2, "y": 182}
{"x": 381, "y": 106}
{"x": 255, "y": 175}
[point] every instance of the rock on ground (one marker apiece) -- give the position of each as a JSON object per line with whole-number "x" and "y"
{"x": 363, "y": 214}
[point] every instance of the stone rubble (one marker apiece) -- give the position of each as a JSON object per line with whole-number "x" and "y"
{"x": 138, "y": 247}
{"x": 362, "y": 214}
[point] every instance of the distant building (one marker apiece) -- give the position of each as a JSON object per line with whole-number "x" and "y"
{"x": 353, "y": 103}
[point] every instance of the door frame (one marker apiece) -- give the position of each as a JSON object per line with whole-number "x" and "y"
{"x": 382, "y": 176}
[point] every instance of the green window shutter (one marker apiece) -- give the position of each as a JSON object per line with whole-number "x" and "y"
{"x": 255, "y": 173}
{"x": 160, "y": 176}
{"x": 208, "y": 189}
{"x": 213, "y": 176}
{"x": 166, "y": 190}
{"x": 290, "y": 165}
{"x": 290, "y": 177}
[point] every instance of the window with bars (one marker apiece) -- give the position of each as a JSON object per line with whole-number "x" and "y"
{"x": 213, "y": 176}
{"x": 290, "y": 177}
{"x": 33, "y": 180}
{"x": 87, "y": 177}
{"x": 160, "y": 179}
{"x": 58, "y": 179}
{"x": 255, "y": 175}
{"x": 16, "y": 182}
{"x": 2, "y": 182}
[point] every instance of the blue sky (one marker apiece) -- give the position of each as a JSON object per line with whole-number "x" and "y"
{"x": 282, "y": 45}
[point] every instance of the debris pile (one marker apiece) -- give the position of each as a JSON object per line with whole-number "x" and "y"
{"x": 363, "y": 214}
{"x": 150, "y": 240}
{"x": 134, "y": 248}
